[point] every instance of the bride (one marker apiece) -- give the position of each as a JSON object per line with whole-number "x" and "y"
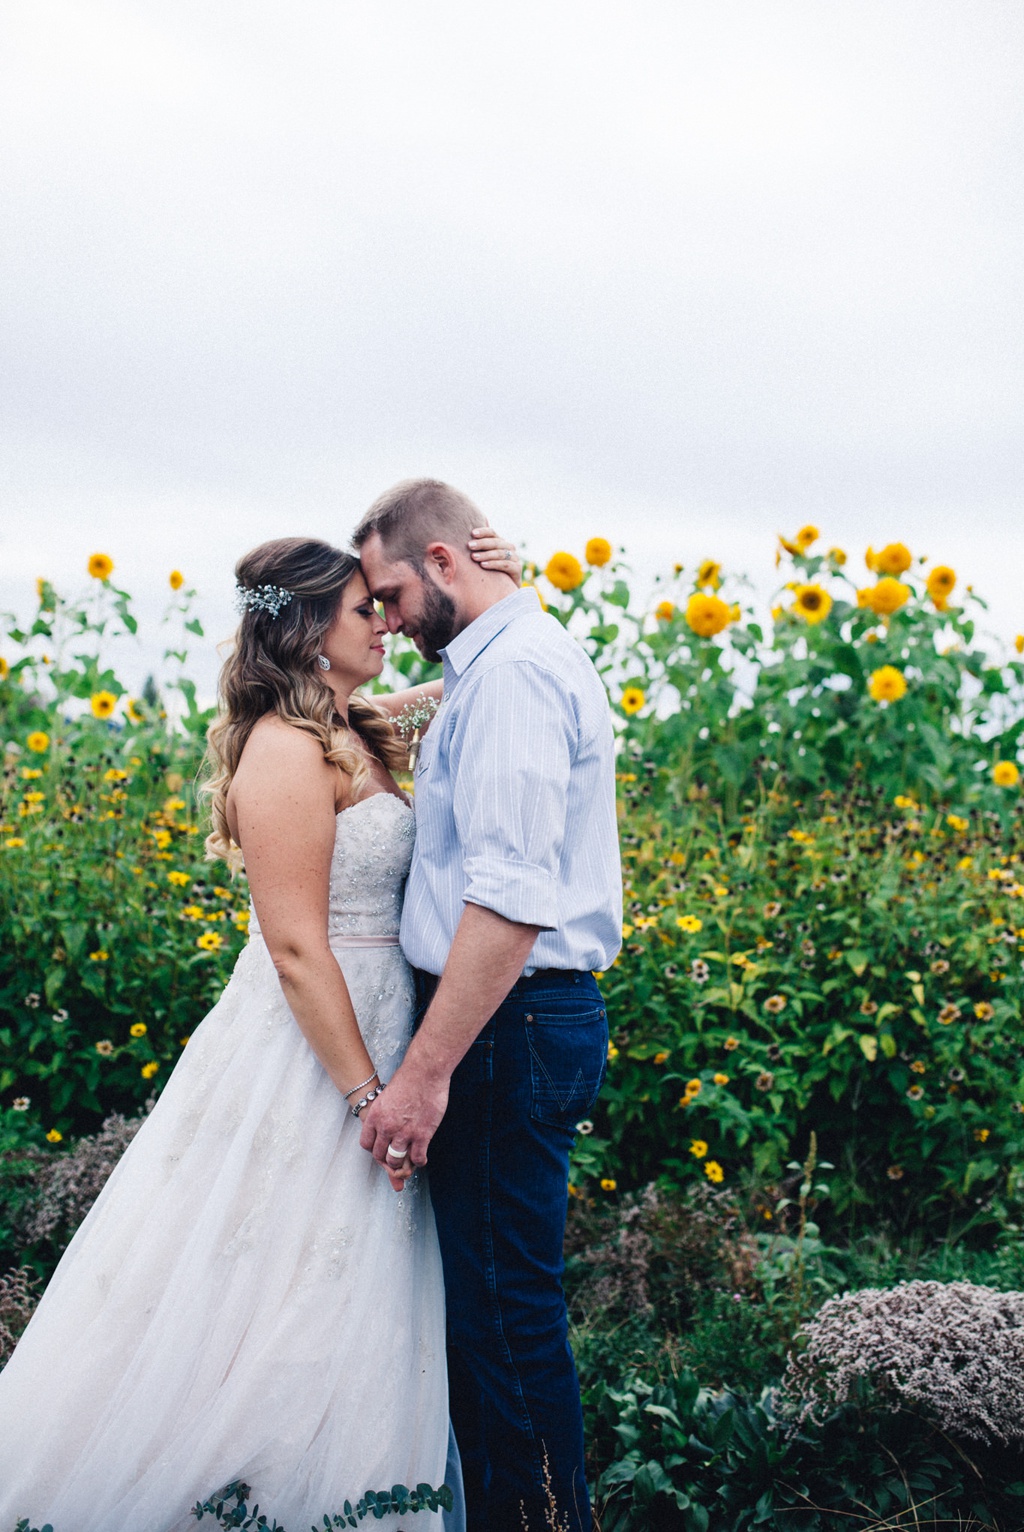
{"x": 248, "y": 1299}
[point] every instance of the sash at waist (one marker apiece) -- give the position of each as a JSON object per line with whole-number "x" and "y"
{"x": 337, "y": 940}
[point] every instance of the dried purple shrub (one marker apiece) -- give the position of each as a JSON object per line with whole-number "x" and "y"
{"x": 952, "y": 1349}
{"x": 18, "y": 1298}
{"x": 64, "y": 1187}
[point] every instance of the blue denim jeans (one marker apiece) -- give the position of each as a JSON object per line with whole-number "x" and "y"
{"x": 498, "y": 1168}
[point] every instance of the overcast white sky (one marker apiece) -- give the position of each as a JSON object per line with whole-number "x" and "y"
{"x": 682, "y": 274}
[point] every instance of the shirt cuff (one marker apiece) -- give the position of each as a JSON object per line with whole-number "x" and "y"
{"x": 519, "y": 891}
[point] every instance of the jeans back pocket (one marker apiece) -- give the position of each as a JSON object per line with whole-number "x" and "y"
{"x": 568, "y": 1057}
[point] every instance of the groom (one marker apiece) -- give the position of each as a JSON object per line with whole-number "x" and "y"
{"x": 514, "y": 897}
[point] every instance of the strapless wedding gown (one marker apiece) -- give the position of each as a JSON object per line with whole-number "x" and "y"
{"x": 248, "y": 1298}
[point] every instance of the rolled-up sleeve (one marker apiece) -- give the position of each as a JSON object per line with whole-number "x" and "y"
{"x": 512, "y": 750}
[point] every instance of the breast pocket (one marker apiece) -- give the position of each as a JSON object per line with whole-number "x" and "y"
{"x": 568, "y": 1056}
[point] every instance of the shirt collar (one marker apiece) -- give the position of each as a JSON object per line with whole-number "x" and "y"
{"x": 473, "y": 640}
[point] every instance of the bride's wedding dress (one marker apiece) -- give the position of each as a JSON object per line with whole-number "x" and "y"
{"x": 248, "y": 1298}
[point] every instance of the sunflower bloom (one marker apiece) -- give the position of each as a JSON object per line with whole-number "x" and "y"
{"x": 707, "y": 615}
{"x": 939, "y": 585}
{"x": 664, "y": 611}
{"x": 175, "y": 579}
{"x": 812, "y": 602}
{"x": 806, "y": 536}
{"x": 632, "y": 700}
{"x": 564, "y": 571}
{"x": 1005, "y": 774}
{"x": 103, "y": 704}
{"x": 100, "y": 566}
{"x": 893, "y": 559}
{"x": 886, "y": 597}
{"x": 598, "y": 552}
{"x": 5, "y": 669}
{"x": 838, "y": 556}
{"x": 709, "y": 573}
{"x": 1018, "y": 643}
{"x": 887, "y": 684}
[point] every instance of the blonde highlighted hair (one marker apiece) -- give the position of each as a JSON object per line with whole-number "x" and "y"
{"x": 272, "y": 668}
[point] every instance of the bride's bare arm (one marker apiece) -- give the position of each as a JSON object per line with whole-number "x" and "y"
{"x": 283, "y": 796}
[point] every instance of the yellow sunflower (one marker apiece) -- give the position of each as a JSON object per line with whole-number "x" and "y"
{"x": 632, "y": 700}
{"x": 598, "y": 552}
{"x": 38, "y": 742}
{"x": 664, "y": 611}
{"x": 1005, "y": 774}
{"x": 892, "y": 560}
{"x": 886, "y": 597}
{"x": 887, "y": 684}
{"x": 5, "y": 669}
{"x": 175, "y": 579}
{"x": 709, "y": 573}
{"x": 812, "y": 602}
{"x": 806, "y": 536}
{"x": 838, "y": 556}
{"x": 565, "y": 571}
{"x": 707, "y": 615}
{"x": 103, "y": 704}
{"x": 100, "y": 566}
{"x": 939, "y": 585}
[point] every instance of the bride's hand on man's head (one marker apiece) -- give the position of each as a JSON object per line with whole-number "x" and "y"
{"x": 491, "y": 551}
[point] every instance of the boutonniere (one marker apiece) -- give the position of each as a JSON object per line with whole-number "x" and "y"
{"x": 411, "y": 722}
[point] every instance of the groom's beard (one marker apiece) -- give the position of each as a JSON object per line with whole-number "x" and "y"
{"x": 437, "y": 622}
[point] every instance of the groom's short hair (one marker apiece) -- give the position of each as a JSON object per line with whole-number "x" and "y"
{"x": 413, "y": 514}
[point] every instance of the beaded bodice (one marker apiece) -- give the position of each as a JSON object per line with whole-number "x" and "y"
{"x": 373, "y": 842}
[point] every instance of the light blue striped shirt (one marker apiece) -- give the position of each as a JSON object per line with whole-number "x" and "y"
{"x": 515, "y": 795}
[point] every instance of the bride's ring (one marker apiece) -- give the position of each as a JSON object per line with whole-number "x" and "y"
{"x": 396, "y": 1154}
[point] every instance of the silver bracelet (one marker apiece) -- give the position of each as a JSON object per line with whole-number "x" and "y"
{"x": 357, "y": 1088}
{"x": 371, "y": 1095}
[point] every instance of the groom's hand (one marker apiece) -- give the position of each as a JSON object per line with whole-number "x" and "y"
{"x": 406, "y": 1115}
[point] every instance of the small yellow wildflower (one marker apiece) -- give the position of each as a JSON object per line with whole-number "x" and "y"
{"x": 660, "y": 1058}
{"x": 720, "y": 1079}
{"x": 665, "y": 611}
{"x": 690, "y": 923}
{"x": 613, "y": 1053}
{"x": 731, "y": 1044}
{"x": 984, "y": 1011}
{"x": 721, "y": 892}
{"x": 632, "y": 700}
{"x": 100, "y": 566}
{"x": 38, "y": 741}
{"x": 957, "y": 822}
{"x": 99, "y": 956}
{"x": 134, "y": 711}
{"x": 982, "y": 1134}
{"x": 698, "y": 1148}
{"x": 774, "y": 1004}
{"x": 54, "y": 1137}
{"x": 564, "y": 571}
{"x": 887, "y": 684}
{"x": 714, "y": 1171}
{"x": 694, "y": 1087}
{"x": 597, "y": 552}
{"x": 5, "y": 669}
{"x": 812, "y": 602}
{"x": 13, "y": 842}
{"x": 709, "y": 574}
{"x": 103, "y": 704}
{"x": 149, "y": 1070}
{"x": 608, "y": 1184}
{"x": 1018, "y": 643}
{"x": 1005, "y": 774}
{"x": 175, "y": 579}
{"x": 806, "y": 536}
{"x": 179, "y": 879}
{"x": 138, "y": 1029}
{"x": 104, "y": 1048}
{"x": 210, "y": 941}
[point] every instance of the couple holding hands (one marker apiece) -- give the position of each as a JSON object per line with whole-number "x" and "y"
{"x": 415, "y": 1013}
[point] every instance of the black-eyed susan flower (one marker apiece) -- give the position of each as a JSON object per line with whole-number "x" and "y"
{"x": 714, "y": 1171}
{"x": 887, "y": 684}
{"x": 134, "y": 711}
{"x": 100, "y": 566}
{"x": 210, "y": 941}
{"x": 179, "y": 879}
{"x": 149, "y": 1070}
{"x": 54, "y": 1136}
{"x": 99, "y": 956}
{"x": 608, "y": 1184}
{"x": 632, "y": 699}
{"x": 707, "y": 615}
{"x": 13, "y": 842}
{"x": 893, "y": 559}
{"x": 698, "y": 1148}
{"x": 564, "y": 571}
{"x": 138, "y": 1029}
{"x": 1005, "y": 774}
{"x": 38, "y": 741}
{"x": 597, "y": 553}
{"x": 689, "y": 923}
{"x": 812, "y": 602}
{"x": 103, "y": 704}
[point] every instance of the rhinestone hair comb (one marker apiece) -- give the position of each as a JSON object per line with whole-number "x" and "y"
{"x": 262, "y": 598}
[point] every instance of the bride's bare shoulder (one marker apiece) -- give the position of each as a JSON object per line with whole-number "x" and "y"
{"x": 278, "y": 750}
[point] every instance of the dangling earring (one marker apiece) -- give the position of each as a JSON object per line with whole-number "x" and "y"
{"x": 323, "y": 662}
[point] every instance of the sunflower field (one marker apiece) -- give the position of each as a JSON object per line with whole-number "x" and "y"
{"x": 823, "y": 862}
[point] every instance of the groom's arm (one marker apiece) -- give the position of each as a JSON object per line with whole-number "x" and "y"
{"x": 512, "y": 749}
{"x": 486, "y": 959}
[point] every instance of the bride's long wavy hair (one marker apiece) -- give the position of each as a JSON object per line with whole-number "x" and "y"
{"x": 272, "y": 668}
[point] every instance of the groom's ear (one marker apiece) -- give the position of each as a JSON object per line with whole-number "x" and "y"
{"x": 441, "y": 559}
